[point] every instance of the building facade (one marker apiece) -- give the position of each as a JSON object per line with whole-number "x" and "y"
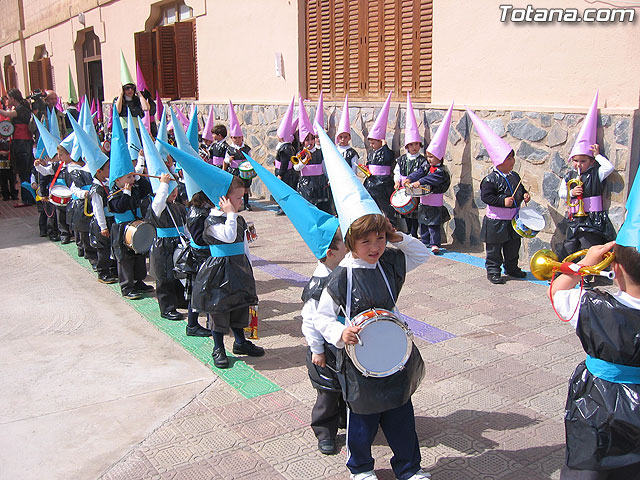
{"x": 530, "y": 78}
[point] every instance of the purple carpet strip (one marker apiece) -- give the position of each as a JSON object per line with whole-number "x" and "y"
{"x": 422, "y": 330}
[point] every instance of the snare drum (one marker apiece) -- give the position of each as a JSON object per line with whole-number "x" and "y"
{"x": 386, "y": 343}
{"x": 6, "y": 128}
{"x": 252, "y": 235}
{"x": 139, "y": 235}
{"x": 246, "y": 171}
{"x": 403, "y": 203}
{"x": 59, "y": 195}
{"x": 527, "y": 222}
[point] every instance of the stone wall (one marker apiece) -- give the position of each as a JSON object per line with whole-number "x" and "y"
{"x": 542, "y": 142}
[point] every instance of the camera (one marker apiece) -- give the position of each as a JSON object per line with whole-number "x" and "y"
{"x": 37, "y": 94}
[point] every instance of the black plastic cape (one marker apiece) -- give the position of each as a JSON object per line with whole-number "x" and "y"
{"x": 602, "y": 419}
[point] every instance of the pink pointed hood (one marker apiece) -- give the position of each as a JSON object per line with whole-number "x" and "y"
{"x": 411, "y": 132}
{"x": 234, "y": 125}
{"x": 379, "y": 129}
{"x": 304, "y": 125}
{"x": 497, "y": 148}
{"x": 141, "y": 84}
{"x": 159, "y": 106}
{"x": 344, "y": 126}
{"x": 438, "y": 145}
{"x": 183, "y": 119}
{"x": 285, "y": 130}
{"x": 587, "y": 135}
{"x": 320, "y": 113}
{"x": 207, "y": 135}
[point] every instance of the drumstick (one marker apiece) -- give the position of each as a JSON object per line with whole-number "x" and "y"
{"x": 517, "y": 186}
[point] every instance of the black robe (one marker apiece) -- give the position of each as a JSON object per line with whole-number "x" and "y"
{"x": 602, "y": 418}
{"x": 288, "y": 175}
{"x": 77, "y": 220}
{"x": 121, "y": 203}
{"x": 366, "y": 395}
{"x": 235, "y": 153}
{"x": 493, "y": 190}
{"x": 96, "y": 239}
{"x": 223, "y": 284}
{"x": 380, "y": 187}
{"x": 408, "y": 166}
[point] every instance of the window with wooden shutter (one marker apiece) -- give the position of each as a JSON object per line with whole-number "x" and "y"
{"x": 368, "y": 48}
{"x": 35, "y": 80}
{"x": 145, "y": 55}
{"x": 46, "y": 73}
{"x": 185, "y": 39}
{"x": 167, "y": 72}
{"x": 10, "y": 77}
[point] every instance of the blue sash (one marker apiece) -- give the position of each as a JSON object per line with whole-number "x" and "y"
{"x": 126, "y": 216}
{"x": 196, "y": 246}
{"x": 227, "y": 249}
{"x": 60, "y": 181}
{"x": 27, "y": 186}
{"x": 107, "y": 212}
{"x": 613, "y": 372}
{"x": 169, "y": 232}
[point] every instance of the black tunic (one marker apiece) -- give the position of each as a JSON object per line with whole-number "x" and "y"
{"x": 122, "y": 203}
{"x": 380, "y": 187}
{"x": 235, "y": 153}
{"x": 322, "y": 378}
{"x": 223, "y": 284}
{"x": 314, "y": 188}
{"x": 594, "y": 222}
{"x": 350, "y": 156}
{"x": 366, "y": 395}
{"x": 439, "y": 179}
{"x": 288, "y": 175}
{"x": 76, "y": 218}
{"x": 161, "y": 253}
{"x": 493, "y": 190}
{"x": 96, "y": 239}
{"x": 602, "y": 418}
{"x": 218, "y": 149}
{"x": 408, "y": 166}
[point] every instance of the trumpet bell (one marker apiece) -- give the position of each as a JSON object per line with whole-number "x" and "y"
{"x": 542, "y": 263}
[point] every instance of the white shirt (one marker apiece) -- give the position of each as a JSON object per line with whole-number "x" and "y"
{"x": 160, "y": 200}
{"x": 98, "y": 206}
{"x": 325, "y": 321}
{"x": 314, "y": 339}
{"x": 354, "y": 160}
{"x": 604, "y": 170}
{"x": 227, "y": 231}
{"x": 567, "y": 302}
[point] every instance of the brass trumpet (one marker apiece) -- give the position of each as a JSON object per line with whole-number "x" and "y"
{"x": 544, "y": 265}
{"x": 364, "y": 169}
{"x": 303, "y": 156}
{"x": 576, "y": 182}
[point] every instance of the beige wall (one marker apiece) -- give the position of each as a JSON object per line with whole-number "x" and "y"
{"x": 479, "y": 61}
{"x": 237, "y": 42}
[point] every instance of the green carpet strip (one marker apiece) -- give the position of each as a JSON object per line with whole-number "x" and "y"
{"x": 239, "y": 375}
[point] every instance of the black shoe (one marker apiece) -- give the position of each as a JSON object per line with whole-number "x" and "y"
{"x": 327, "y": 447}
{"x": 54, "y": 238}
{"x": 220, "y": 359}
{"x": 173, "y": 315}
{"x": 81, "y": 253}
{"x": 198, "y": 331}
{"x": 247, "y": 348}
{"x": 496, "y": 279}
{"x": 143, "y": 287}
{"x": 65, "y": 240}
{"x": 94, "y": 267}
{"x": 280, "y": 212}
{"x": 132, "y": 295}
{"x": 43, "y": 234}
{"x": 517, "y": 273}
{"x": 106, "y": 278}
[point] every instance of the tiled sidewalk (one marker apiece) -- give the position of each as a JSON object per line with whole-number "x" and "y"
{"x": 490, "y": 407}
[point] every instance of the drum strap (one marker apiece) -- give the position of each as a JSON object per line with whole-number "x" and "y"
{"x": 347, "y": 313}
{"x": 55, "y": 177}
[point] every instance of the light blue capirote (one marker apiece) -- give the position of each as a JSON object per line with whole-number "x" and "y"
{"x": 86, "y": 122}
{"x": 350, "y": 197}
{"x": 629, "y": 234}
{"x": 211, "y": 180}
{"x": 192, "y": 130}
{"x": 184, "y": 145}
{"x": 162, "y": 135}
{"x": 120, "y": 161}
{"x": 155, "y": 164}
{"x": 53, "y": 122}
{"x": 133, "y": 140}
{"x": 317, "y": 228}
{"x": 49, "y": 141}
{"x": 91, "y": 152}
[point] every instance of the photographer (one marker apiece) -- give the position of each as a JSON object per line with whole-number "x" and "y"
{"x": 22, "y": 143}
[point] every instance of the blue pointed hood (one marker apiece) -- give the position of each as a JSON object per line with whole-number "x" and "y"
{"x": 162, "y": 135}
{"x": 86, "y": 122}
{"x": 133, "y": 140}
{"x": 53, "y": 122}
{"x": 317, "y": 228}
{"x": 155, "y": 164}
{"x": 49, "y": 141}
{"x": 213, "y": 181}
{"x": 120, "y": 161}
{"x": 192, "y": 131}
{"x": 351, "y": 199}
{"x": 92, "y": 153}
{"x": 629, "y": 234}
{"x": 183, "y": 144}
{"x": 68, "y": 142}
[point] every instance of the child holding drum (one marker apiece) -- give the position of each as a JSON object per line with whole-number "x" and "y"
{"x": 436, "y": 177}
{"x": 503, "y": 192}
{"x": 367, "y": 282}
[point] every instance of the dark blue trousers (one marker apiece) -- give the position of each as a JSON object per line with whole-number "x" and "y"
{"x": 399, "y": 428}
